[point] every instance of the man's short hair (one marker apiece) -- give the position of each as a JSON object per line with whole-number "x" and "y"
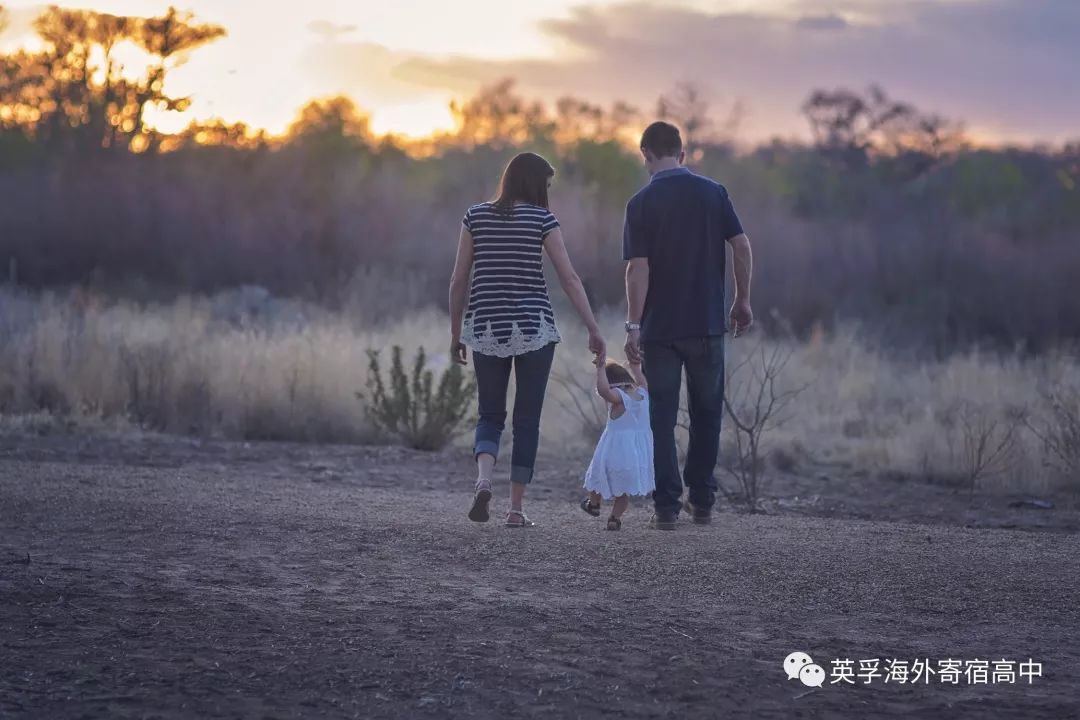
{"x": 662, "y": 140}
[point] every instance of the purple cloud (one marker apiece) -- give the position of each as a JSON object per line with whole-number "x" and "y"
{"x": 1004, "y": 67}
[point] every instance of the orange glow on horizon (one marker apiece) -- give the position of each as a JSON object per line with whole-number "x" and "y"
{"x": 415, "y": 121}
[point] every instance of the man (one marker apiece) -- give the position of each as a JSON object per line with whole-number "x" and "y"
{"x": 673, "y": 240}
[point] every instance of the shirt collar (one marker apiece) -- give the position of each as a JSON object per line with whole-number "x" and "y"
{"x": 670, "y": 173}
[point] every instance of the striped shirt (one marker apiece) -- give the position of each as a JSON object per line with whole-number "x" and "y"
{"x": 509, "y": 311}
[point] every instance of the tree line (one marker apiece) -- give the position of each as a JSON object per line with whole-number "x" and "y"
{"x": 889, "y": 216}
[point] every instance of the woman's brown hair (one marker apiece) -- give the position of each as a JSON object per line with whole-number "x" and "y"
{"x": 525, "y": 179}
{"x": 617, "y": 374}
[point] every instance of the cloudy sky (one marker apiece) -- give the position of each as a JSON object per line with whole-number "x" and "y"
{"x": 1007, "y": 68}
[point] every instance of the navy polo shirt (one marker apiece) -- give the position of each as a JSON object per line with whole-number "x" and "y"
{"x": 681, "y": 222}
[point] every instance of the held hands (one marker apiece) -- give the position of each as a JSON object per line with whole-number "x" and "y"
{"x": 597, "y": 346}
{"x": 741, "y": 317}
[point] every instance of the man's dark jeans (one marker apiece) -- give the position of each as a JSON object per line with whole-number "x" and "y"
{"x": 531, "y": 372}
{"x": 703, "y": 358}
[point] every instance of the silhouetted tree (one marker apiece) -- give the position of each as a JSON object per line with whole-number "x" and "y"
{"x": 216, "y": 133}
{"x": 497, "y": 117}
{"x": 577, "y": 120}
{"x": 328, "y": 144}
{"x": 168, "y": 40}
{"x": 74, "y": 94}
{"x": 334, "y": 123}
{"x": 621, "y": 118}
{"x": 689, "y": 109}
{"x": 852, "y": 126}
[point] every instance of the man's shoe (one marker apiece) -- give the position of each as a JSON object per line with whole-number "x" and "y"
{"x": 663, "y": 520}
{"x": 701, "y": 516}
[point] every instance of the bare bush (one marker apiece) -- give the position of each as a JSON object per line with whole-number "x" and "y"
{"x": 756, "y": 405}
{"x": 981, "y": 444}
{"x": 580, "y": 402}
{"x": 1059, "y": 431}
{"x": 408, "y": 406}
{"x": 147, "y": 371}
{"x": 865, "y": 409}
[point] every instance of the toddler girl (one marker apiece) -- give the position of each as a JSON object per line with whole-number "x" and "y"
{"x": 623, "y": 462}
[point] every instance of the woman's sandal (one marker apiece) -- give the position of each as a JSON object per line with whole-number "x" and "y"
{"x": 588, "y": 507}
{"x": 479, "y": 510}
{"x": 521, "y": 522}
{"x": 614, "y": 523}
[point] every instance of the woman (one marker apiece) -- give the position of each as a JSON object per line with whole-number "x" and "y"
{"x": 508, "y": 321}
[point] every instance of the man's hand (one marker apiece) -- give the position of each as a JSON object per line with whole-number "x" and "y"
{"x": 633, "y": 347}
{"x": 742, "y": 317}
{"x": 457, "y": 351}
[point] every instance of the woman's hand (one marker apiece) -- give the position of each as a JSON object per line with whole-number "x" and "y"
{"x": 458, "y": 351}
{"x": 597, "y": 346}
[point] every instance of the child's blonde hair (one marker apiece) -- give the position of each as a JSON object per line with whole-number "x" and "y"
{"x": 617, "y": 374}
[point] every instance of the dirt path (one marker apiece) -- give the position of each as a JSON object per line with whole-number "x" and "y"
{"x": 265, "y": 583}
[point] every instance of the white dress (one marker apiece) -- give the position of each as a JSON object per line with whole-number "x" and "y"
{"x": 623, "y": 461}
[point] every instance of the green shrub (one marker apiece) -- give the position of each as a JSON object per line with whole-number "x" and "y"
{"x": 407, "y": 407}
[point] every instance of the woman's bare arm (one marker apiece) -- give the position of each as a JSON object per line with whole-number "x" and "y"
{"x": 459, "y": 290}
{"x": 571, "y": 285}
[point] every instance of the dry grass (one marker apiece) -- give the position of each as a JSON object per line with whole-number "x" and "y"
{"x": 247, "y": 367}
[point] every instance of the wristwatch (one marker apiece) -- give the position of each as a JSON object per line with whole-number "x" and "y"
{"x": 632, "y": 326}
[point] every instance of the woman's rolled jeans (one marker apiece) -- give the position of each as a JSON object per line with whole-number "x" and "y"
{"x": 531, "y": 372}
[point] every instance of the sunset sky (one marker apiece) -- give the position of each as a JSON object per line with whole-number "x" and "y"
{"x": 1005, "y": 67}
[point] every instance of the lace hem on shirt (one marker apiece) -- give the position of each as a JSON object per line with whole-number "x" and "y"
{"x": 518, "y": 343}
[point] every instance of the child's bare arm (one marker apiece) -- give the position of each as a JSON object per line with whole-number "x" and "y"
{"x": 603, "y": 389}
{"x": 639, "y": 376}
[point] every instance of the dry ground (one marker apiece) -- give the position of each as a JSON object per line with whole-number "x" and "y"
{"x": 167, "y": 578}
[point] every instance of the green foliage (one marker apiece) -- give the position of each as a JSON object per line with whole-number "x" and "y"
{"x": 607, "y": 167}
{"x": 407, "y": 406}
